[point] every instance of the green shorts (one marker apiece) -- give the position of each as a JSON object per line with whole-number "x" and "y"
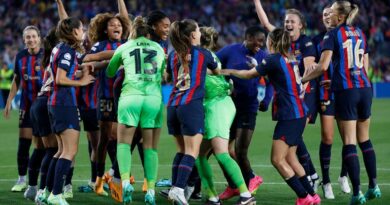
{"x": 219, "y": 116}
{"x": 159, "y": 117}
{"x": 134, "y": 109}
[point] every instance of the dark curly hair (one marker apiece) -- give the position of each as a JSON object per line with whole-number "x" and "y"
{"x": 99, "y": 24}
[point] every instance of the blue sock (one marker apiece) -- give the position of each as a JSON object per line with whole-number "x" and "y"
{"x": 62, "y": 169}
{"x": 369, "y": 162}
{"x": 111, "y": 150}
{"x": 69, "y": 176}
{"x": 93, "y": 171}
{"x": 184, "y": 171}
{"x": 297, "y": 186}
{"x": 351, "y": 161}
{"x": 175, "y": 166}
{"x": 343, "y": 171}
{"x": 325, "y": 156}
{"x": 50, "y": 152}
{"x": 33, "y": 166}
{"x": 303, "y": 156}
{"x": 51, "y": 174}
{"x": 194, "y": 177}
{"x": 306, "y": 184}
{"x": 100, "y": 169}
{"x": 23, "y": 155}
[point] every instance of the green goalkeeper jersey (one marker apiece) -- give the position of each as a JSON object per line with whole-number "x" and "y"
{"x": 143, "y": 61}
{"x": 216, "y": 85}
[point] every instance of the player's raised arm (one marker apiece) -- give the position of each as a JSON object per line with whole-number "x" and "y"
{"x": 263, "y": 16}
{"x": 124, "y": 13}
{"x": 61, "y": 10}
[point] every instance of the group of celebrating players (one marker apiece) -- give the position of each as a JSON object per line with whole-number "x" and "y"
{"x": 111, "y": 77}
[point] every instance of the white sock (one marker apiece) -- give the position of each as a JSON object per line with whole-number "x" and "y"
{"x": 314, "y": 176}
{"x": 151, "y": 191}
{"x": 22, "y": 178}
{"x": 213, "y": 199}
{"x": 111, "y": 172}
{"x": 124, "y": 182}
{"x": 246, "y": 194}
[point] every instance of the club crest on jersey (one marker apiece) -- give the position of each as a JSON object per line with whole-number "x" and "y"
{"x": 37, "y": 68}
{"x": 297, "y": 52}
{"x": 67, "y": 56}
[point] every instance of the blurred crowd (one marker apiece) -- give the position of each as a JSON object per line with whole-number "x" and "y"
{"x": 229, "y": 17}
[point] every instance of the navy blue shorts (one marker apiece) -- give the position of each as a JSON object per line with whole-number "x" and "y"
{"x": 90, "y": 120}
{"x": 39, "y": 115}
{"x": 327, "y": 107}
{"x": 186, "y": 119}
{"x": 311, "y": 101}
{"x": 64, "y": 117}
{"x": 244, "y": 120}
{"x": 290, "y": 131}
{"x": 24, "y": 119}
{"x": 106, "y": 110}
{"x": 353, "y": 104}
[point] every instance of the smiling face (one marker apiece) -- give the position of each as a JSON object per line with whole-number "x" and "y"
{"x": 79, "y": 32}
{"x": 256, "y": 42}
{"x": 31, "y": 39}
{"x": 326, "y": 18}
{"x": 161, "y": 28}
{"x": 293, "y": 24}
{"x": 114, "y": 29}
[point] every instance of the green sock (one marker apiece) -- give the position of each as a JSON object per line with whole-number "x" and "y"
{"x": 123, "y": 156}
{"x": 151, "y": 167}
{"x": 232, "y": 170}
{"x": 206, "y": 176}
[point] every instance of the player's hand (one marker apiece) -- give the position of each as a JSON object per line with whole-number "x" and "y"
{"x": 226, "y": 72}
{"x": 326, "y": 83}
{"x": 7, "y": 110}
{"x": 87, "y": 79}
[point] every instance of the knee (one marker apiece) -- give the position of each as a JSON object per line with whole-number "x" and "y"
{"x": 276, "y": 161}
{"x": 241, "y": 154}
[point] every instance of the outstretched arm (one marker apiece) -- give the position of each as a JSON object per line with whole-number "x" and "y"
{"x": 61, "y": 10}
{"x": 243, "y": 74}
{"x": 319, "y": 69}
{"x": 123, "y": 12}
{"x": 263, "y": 16}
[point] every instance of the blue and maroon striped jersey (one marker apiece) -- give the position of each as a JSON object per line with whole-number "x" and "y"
{"x": 349, "y": 45}
{"x": 302, "y": 48}
{"x": 188, "y": 83}
{"x": 324, "y": 94}
{"x": 28, "y": 69}
{"x": 237, "y": 56}
{"x": 283, "y": 73}
{"x": 63, "y": 57}
{"x": 105, "y": 87}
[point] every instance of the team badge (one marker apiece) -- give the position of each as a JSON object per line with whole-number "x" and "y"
{"x": 37, "y": 68}
{"x": 67, "y": 56}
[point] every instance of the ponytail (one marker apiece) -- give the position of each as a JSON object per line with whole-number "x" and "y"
{"x": 352, "y": 14}
{"x": 180, "y": 36}
{"x": 209, "y": 38}
{"x": 140, "y": 28}
{"x": 281, "y": 41}
{"x": 348, "y": 10}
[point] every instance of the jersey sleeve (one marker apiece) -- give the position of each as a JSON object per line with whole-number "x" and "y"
{"x": 263, "y": 67}
{"x": 329, "y": 43}
{"x": 212, "y": 63}
{"x": 96, "y": 48}
{"x": 223, "y": 56}
{"x": 308, "y": 48}
{"x": 115, "y": 62}
{"x": 66, "y": 60}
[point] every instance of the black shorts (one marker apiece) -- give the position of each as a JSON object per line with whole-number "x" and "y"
{"x": 64, "y": 117}
{"x": 106, "y": 110}
{"x": 90, "y": 120}
{"x": 353, "y": 104}
{"x": 39, "y": 115}
{"x": 186, "y": 119}
{"x": 24, "y": 118}
{"x": 244, "y": 120}
{"x": 327, "y": 107}
{"x": 311, "y": 101}
{"x": 290, "y": 131}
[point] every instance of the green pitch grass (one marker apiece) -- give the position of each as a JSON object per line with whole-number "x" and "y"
{"x": 273, "y": 191}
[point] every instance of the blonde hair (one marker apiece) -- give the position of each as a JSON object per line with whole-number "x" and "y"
{"x": 347, "y": 9}
{"x": 140, "y": 28}
{"x": 209, "y": 38}
{"x": 180, "y": 36}
{"x": 32, "y": 28}
{"x": 300, "y": 16}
